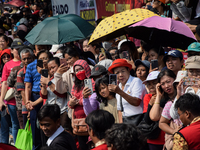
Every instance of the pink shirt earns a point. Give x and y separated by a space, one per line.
6 72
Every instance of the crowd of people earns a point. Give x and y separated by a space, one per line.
116 95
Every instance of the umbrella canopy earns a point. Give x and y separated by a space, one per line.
60 29
114 26
16 3
163 31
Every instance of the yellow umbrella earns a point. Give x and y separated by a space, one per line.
113 26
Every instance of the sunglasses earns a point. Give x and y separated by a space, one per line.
7 56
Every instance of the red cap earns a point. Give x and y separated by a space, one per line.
119 63
163 1
7 51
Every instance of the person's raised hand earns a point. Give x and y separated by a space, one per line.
73 101
44 80
113 88
150 69
159 90
86 92
101 57
62 68
2 104
152 100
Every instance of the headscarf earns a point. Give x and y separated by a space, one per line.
85 65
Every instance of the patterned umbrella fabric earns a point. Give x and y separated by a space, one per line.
114 26
163 31
60 29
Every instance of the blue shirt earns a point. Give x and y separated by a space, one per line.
32 76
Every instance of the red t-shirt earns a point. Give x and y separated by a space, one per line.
6 72
161 139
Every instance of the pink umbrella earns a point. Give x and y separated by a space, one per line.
16 3
163 31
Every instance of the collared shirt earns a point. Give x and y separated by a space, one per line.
191 90
58 132
134 88
32 76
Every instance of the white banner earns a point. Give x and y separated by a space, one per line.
63 7
87 10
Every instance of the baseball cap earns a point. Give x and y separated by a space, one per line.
98 70
145 63
152 76
173 53
194 47
180 75
17 44
192 62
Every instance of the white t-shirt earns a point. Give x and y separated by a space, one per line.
134 88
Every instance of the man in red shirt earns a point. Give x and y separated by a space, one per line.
188 106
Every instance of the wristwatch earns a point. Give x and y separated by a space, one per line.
49 83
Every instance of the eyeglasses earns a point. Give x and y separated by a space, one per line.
192 72
7 56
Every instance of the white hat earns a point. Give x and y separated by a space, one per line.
59 55
152 76
55 47
180 75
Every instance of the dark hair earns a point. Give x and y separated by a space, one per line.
105 81
45 51
147 69
98 21
166 72
51 148
111 48
100 121
5 37
70 50
189 102
133 50
56 59
159 50
78 84
86 56
50 110
124 137
169 73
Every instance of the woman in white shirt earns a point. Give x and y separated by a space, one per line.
129 92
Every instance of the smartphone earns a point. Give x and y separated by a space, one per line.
40 63
113 79
3 112
190 81
69 93
102 51
63 61
44 73
124 54
88 83
154 63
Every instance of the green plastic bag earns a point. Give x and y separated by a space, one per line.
24 139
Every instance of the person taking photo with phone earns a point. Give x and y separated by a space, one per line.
82 71
49 92
193 72
129 92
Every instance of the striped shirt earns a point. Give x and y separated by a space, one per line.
32 76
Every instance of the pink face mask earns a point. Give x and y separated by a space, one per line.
81 75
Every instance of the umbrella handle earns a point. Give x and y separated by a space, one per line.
151 35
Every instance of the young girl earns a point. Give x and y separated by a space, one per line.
107 99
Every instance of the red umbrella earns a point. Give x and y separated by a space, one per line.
16 3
